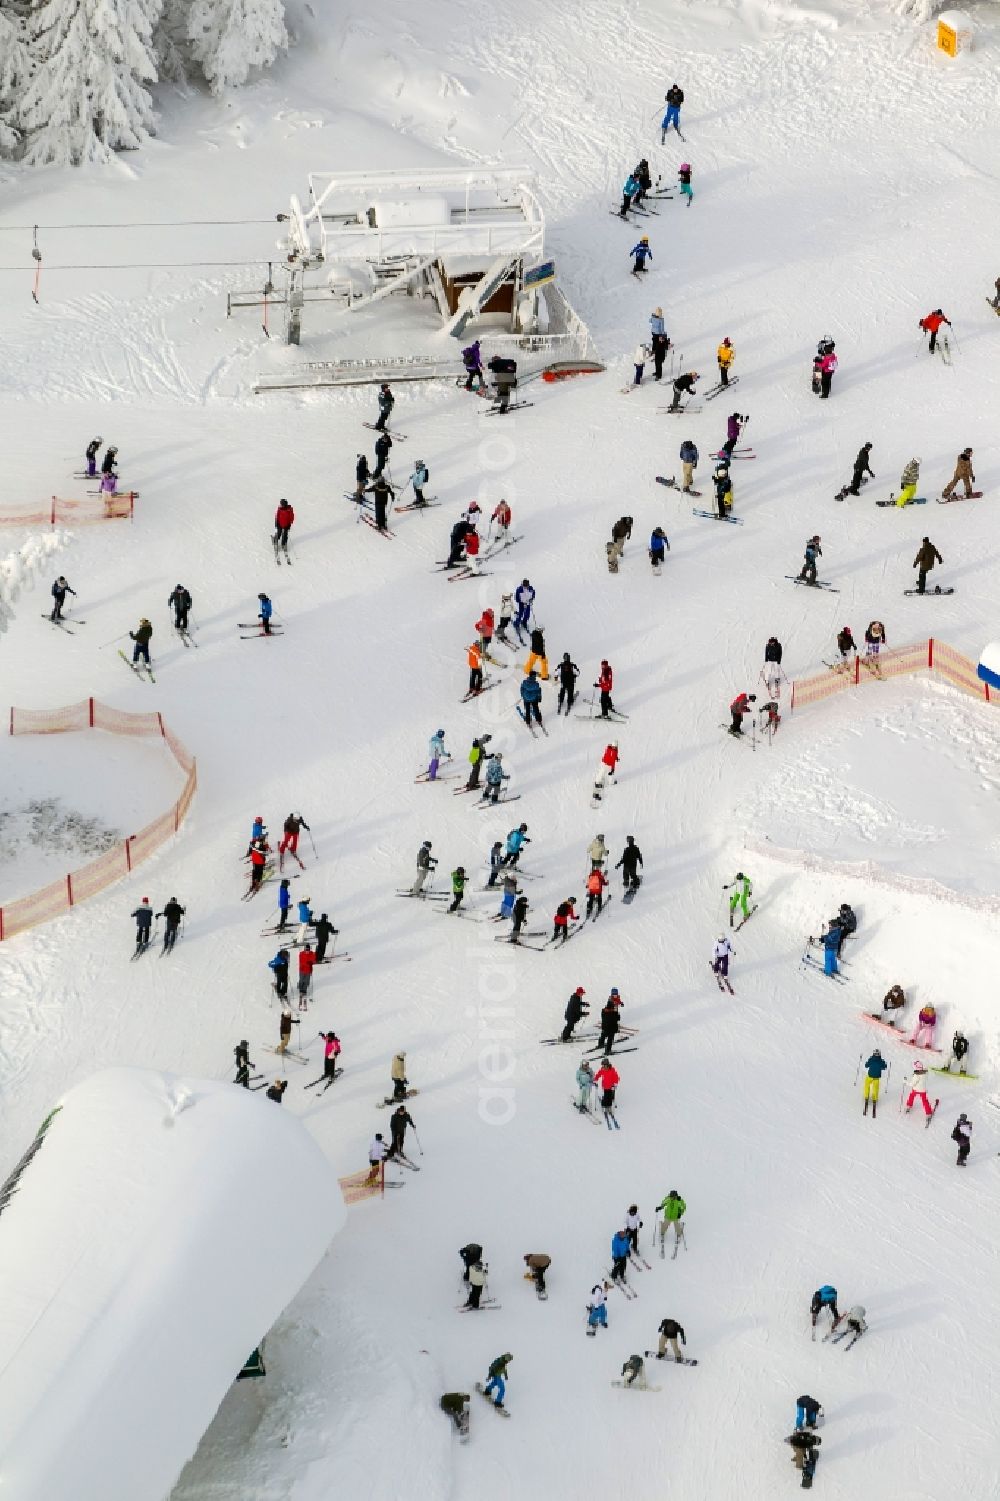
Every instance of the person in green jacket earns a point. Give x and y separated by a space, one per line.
457 887
742 890
477 756
672 1208
498 1378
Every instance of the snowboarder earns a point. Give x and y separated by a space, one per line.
498 1378
426 862
576 1009
658 548
962 1136
604 684
436 754
397 1073
585 1086
724 356
722 952
495 778
673 1209
172 913
456 1405
608 766
610 1019
959 1049
672 118
307 963
862 469
567 672
538 1264
564 915
292 827
804 1445
180 602
813 551
634 1372
418 479
740 706
143 915
284 518
742 890
932 325
735 423
923 1032
620 534
264 613
641 253
607 1080
91 456
60 589
908 481
684 180
524 598
824 1297
276 1093
597 1308
537 653
670 1332
141 637
963 475
619 1255
893 1000
472 359
689 459
875 1067
279 969
927 556
683 386
457 888
917 1086
386 402
807 1411
630 863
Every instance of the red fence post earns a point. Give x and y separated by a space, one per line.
857 669
791 706
12 719
69 889
1 925
131 505
930 652
52 514
128 852
159 717
91 713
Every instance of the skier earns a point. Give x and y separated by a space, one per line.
516 840
831 941
742 889
597 1308
689 459
631 189
496 863
813 551
306 921
520 918
923 1032
963 475
620 534
502 515
642 353
634 1372
426 862
962 1136
862 468
504 372
331 1052
524 598
723 482
585 1086
908 483
604 684
824 1297
472 359
576 1009
537 653
684 180
607 1080
932 325
279 968
398 1122
674 98
673 1209
506 615
804 1445
642 176
827 367
564 915
456 544
670 1332
658 548
807 1411
610 1021
284 518
91 456
276 1093
180 602
994 301
927 556
307 962
259 851
568 672
854 1318
538 1264
474 656
596 883
143 915
264 613
141 636
660 340
959 1049
110 460
875 1067
609 764
284 902
683 386
724 355
846 644
418 479
172 913
633 1224
243 1064
641 253
386 402
383 493
470 1254
874 640
291 829
630 862
362 475
722 951
498 1378
619 1255
324 932
735 424
495 778
437 754
740 706
477 756
917 1085
597 851
60 589
457 888
383 444
285 1021
472 544
376 1156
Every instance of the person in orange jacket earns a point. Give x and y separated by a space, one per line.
307 963
607 1080
565 914
931 325
475 668
596 882
284 516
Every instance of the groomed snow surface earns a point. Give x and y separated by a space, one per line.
845 183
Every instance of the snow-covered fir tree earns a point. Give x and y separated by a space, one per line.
229 37
86 97
170 40
13 75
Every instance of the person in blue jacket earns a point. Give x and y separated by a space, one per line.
689 459
516 840
279 968
831 947
619 1255
264 613
824 1297
531 698
306 921
875 1067
418 479
641 254
524 598
437 754
495 778
284 902
631 188
658 546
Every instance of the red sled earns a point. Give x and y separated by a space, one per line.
877 1022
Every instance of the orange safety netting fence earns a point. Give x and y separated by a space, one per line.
58 512
925 656
79 885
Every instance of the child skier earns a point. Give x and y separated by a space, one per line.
684 175
641 253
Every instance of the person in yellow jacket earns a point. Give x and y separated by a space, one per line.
725 354
908 483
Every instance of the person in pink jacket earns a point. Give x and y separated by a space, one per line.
923 1032
827 366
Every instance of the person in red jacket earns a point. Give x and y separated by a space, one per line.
565 914
607 1081
501 518
740 706
610 758
596 882
931 325
259 851
307 963
604 684
472 550
484 628
284 516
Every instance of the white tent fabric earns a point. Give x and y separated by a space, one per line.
138 1273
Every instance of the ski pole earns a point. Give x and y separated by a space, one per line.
417 1140
858 1069
112 642
312 842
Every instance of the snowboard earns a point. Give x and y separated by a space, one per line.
670 1359
951 1074
946 500
672 484
390 1101
632 1387
918 500
936 590
485 1395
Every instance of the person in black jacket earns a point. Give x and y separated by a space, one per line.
172 912
683 386
568 673
630 862
645 181
382 447
670 1332
277 1091
60 589
862 468
180 602
386 402
470 1254
456 543
576 1009
773 650
362 474
324 932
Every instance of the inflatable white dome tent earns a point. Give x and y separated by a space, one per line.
149 1237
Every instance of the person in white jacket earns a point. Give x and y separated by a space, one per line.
598 852
917 1085
597 1312
377 1152
854 1322
722 950
640 357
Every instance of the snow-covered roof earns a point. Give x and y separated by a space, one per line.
156 1233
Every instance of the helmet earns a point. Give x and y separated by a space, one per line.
440 732
579 990
427 844
261 596
420 463
522 828
918 1067
685 167
615 990
740 876
644 240
876 1053
728 343
498 755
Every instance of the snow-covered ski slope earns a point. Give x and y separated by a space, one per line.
845 183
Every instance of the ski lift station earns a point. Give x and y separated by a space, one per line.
389 270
